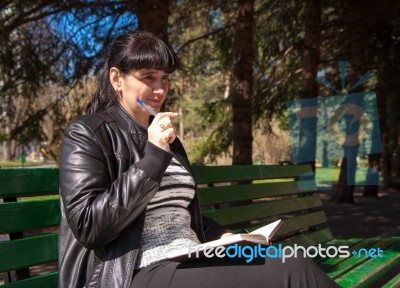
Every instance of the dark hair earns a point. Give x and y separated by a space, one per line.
133 50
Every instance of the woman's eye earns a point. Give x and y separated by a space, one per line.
164 79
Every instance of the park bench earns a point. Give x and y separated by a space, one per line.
238 197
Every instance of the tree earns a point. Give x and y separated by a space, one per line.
26 64
383 33
393 107
153 15
201 89
216 39
277 64
310 60
344 192
243 84
42 45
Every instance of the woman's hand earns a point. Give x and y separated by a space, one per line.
162 131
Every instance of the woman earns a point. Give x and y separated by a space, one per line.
127 193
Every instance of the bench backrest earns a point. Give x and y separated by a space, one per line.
250 196
237 197
25 245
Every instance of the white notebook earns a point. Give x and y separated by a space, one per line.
261 235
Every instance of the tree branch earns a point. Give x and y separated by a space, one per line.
202 37
29 16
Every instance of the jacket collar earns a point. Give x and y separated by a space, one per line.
125 122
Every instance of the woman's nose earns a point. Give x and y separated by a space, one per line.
159 87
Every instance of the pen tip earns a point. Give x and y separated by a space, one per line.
140 101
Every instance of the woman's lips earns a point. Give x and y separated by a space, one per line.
154 100
154 103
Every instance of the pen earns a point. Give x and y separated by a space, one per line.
147 108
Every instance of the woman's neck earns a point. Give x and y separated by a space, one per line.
140 117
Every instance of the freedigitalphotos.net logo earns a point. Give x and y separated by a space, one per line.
345 125
251 252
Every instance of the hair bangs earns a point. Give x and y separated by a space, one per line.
152 54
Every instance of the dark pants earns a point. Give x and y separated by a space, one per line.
226 272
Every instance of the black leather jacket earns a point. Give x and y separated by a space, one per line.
108 174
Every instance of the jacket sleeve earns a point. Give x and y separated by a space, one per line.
96 208
212 230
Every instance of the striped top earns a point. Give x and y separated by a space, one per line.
167 224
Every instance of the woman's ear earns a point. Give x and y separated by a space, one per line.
116 79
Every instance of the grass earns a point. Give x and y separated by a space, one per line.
327 176
331 175
35 198
12 164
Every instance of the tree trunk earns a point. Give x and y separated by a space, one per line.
394 115
6 151
396 174
153 15
380 161
243 84
181 126
344 191
7 145
310 61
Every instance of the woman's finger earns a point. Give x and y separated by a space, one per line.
165 124
169 134
161 115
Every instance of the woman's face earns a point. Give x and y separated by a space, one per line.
149 85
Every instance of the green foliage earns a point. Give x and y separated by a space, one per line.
49 52
30 129
204 43
277 65
218 138
277 68
47 44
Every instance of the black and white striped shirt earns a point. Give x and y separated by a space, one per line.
167 224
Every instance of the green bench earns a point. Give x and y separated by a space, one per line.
238 197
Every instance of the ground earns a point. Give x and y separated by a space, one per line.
369 217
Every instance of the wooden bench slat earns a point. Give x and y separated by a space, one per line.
350 242
354 244
17 182
312 239
19 216
336 271
230 193
393 283
301 222
31 251
43 281
239 214
366 274
216 174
